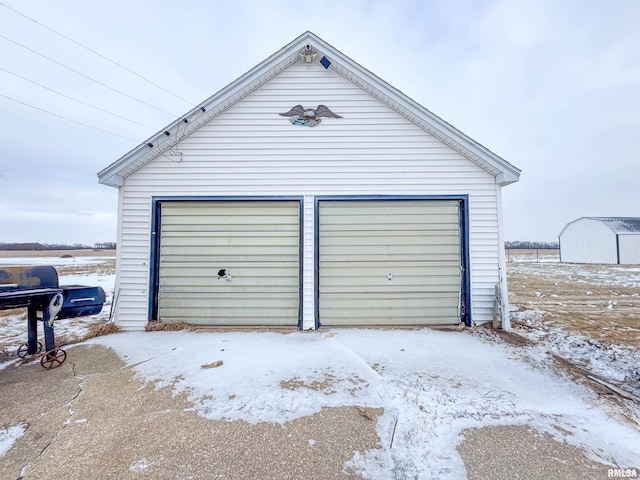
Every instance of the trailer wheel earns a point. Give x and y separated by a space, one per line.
53 358
23 351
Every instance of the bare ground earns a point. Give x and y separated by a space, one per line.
601 301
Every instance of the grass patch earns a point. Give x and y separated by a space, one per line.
168 327
100 329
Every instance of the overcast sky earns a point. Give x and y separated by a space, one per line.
553 87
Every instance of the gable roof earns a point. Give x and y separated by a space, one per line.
166 138
619 225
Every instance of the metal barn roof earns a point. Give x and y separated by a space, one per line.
621 224
618 225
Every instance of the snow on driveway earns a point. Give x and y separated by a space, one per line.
431 384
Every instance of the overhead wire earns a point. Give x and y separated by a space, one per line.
88 77
99 54
66 118
75 99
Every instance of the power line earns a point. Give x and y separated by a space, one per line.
65 118
88 77
75 99
99 54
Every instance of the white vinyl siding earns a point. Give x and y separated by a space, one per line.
257 246
389 262
250 150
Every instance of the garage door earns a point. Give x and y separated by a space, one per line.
229 263
389 262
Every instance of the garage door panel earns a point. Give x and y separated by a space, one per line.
386 265
256 242
390 249
226 259
232 317
404 209
361 242
196 279
383 238
398 284
252 302
230 238
238 249
392 319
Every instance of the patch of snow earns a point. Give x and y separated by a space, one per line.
9 435
619 363
139 465
431 385
612 275
54 261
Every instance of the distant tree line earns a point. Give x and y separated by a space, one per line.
532 245
56 246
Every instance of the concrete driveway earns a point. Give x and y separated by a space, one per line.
99 416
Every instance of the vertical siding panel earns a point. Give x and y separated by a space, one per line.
308 307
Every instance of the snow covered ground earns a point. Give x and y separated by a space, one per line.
431 385
589 314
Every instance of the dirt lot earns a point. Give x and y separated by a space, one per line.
601 301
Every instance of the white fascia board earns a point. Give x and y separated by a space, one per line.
506 178
116 181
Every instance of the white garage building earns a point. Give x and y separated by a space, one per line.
308 193
613 240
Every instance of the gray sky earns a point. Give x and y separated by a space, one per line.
553 87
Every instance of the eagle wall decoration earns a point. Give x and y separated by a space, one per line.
308 117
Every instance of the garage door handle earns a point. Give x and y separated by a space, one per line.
389 276
87 299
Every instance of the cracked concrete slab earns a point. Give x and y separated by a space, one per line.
90 418
532 455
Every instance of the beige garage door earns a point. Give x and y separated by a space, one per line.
389 262
257 246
